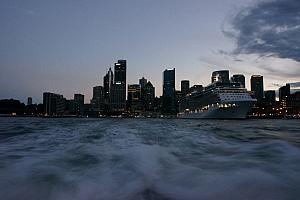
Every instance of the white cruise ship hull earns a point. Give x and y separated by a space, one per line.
238 112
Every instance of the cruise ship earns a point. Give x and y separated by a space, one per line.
222 99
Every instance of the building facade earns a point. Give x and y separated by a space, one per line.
169 95
220 76
79 104
239 78
185 86
149 96
118 89
97 102
54 104
257 86
284 92
29 101
134 98
270 96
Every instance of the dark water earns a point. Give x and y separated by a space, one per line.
113 159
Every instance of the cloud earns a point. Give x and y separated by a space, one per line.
268 28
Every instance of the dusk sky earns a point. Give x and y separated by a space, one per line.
66 46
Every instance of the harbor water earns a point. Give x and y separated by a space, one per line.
148 159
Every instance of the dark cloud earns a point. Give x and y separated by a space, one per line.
269 28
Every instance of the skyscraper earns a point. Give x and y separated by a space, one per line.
257 86
284 92
185 86
270 96
134 97
79 104
149 96
29 101
54 104
118 90
143 82
239 78
97 102
169 96
108 80
220 76
120 72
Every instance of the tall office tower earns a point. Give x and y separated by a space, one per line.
79 104
257 86
284 92
239 78
118 91
149 96
29 101
293 103
120 72
54 104
169 97
220 76
178 97
134 97
98 92
117 102
185 86
108 80
97 102
142 82
270 96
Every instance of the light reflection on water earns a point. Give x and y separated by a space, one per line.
149 159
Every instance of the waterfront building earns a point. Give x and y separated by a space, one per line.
221 76
118 89
98 92
134 98
54 104
270 96
284 92
97 102
120 72
257 86
142 82
29 101
149 96
117 100
79 104
239 78
185 86
178 96
107 82
70 107
293 104
169 96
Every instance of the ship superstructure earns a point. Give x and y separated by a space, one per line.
221 99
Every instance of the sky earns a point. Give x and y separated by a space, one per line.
66 46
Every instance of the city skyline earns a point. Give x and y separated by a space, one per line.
225 97
66 48
229 76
